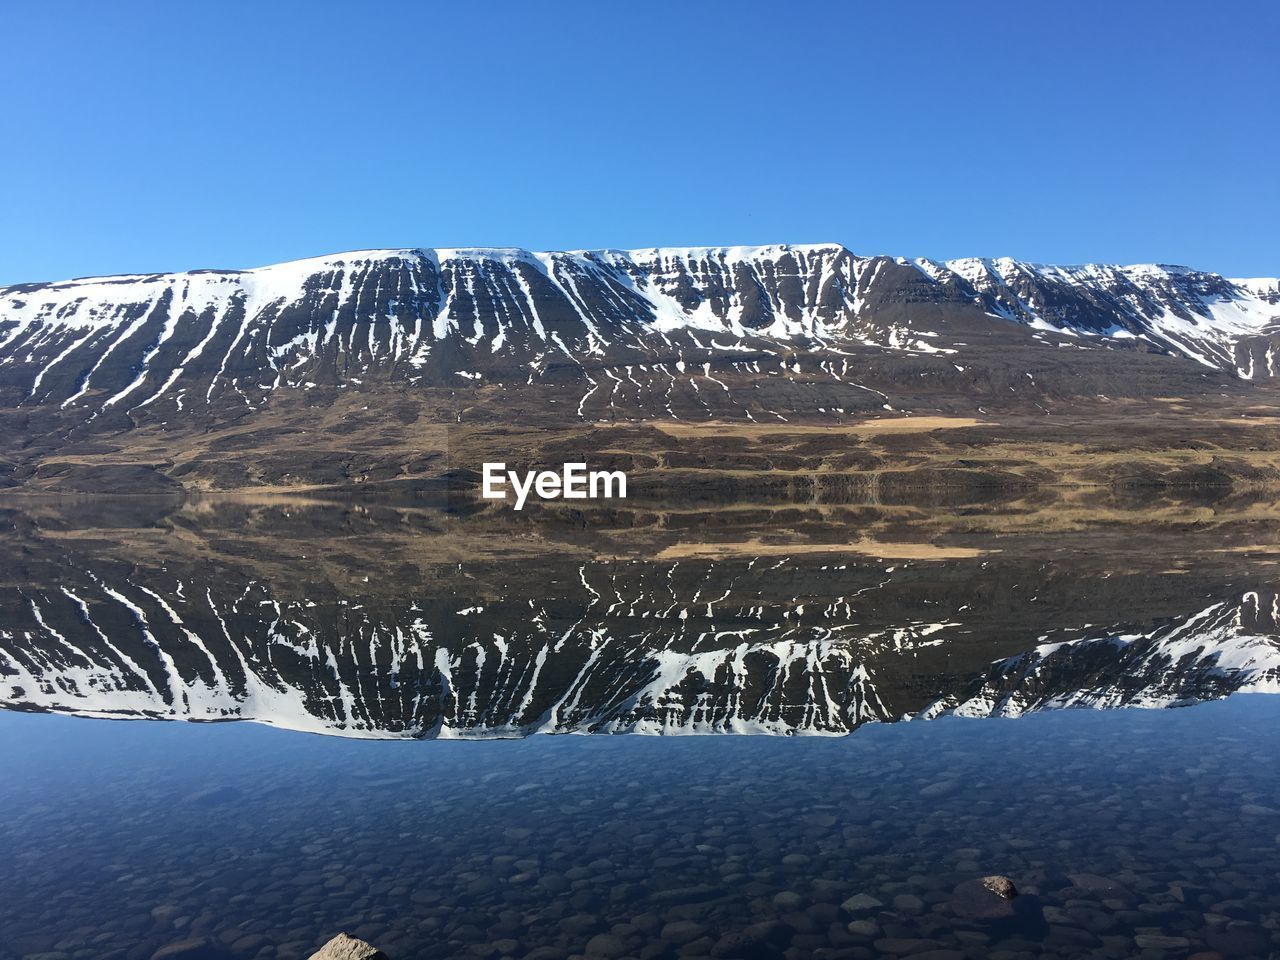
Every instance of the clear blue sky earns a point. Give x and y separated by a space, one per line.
166 136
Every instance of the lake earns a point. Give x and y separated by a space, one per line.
781 748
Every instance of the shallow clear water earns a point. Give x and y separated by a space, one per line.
1117 827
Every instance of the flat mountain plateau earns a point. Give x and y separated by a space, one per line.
727 376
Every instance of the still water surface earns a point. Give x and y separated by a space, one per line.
860 763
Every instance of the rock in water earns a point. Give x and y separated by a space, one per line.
343 947
1002 887
1093 884
990 898
861 903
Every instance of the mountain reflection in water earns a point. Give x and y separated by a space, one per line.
390 627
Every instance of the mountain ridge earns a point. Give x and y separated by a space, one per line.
534 305
471 251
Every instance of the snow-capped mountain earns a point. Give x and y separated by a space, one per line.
660 331
1229 324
